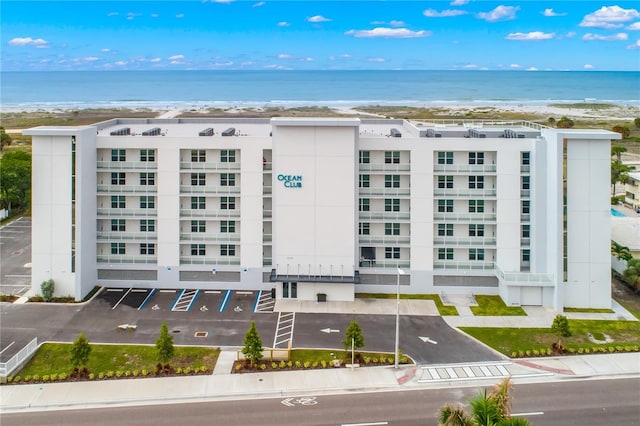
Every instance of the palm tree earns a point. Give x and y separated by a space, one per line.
454 415
617 150
501 394
632 274
485 410
620 251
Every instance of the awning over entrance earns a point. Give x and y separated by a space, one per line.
274 277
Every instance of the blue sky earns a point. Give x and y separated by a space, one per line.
263 35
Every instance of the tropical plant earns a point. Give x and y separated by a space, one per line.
354 336
47 288
623 130
5 139
560 326
252 349
619 173
617 150
632 274
15 175
454 415
564 123
620 251
164 345
636 122
80 351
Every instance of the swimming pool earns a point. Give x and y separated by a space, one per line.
616 213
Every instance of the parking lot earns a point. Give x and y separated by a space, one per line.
15 257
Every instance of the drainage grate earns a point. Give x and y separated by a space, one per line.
201 334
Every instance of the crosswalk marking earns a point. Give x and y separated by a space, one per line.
265 302
284 329
185 300
472 371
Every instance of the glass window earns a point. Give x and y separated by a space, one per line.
198 250
228 156
118 202
445 182
392 252
365 181
364 228
147 225
198 226
198 156
147 179
391 229
118 225
365 157
476 206
476 182
392 181
445 206
526 182
392 205
476 158
118 178
227 179
198 203
392 157
365 204
147 202
476 254
476 230
445 157
526 231
228 226
445 230
445 254
227 203
198 179
525 157
118 155
227 250
118 248
147 248
526 207
526 255
148 155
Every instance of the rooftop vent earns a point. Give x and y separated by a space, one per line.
152 132
395 133
229 132
206 132
121 132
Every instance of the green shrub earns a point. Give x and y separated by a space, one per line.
62 376
263 366
619 349
611 349
110 374
323 363
549 352
580 351
135 373
54 377
119 374
17 379
238 367
47 288
521 354
145 373
45 378
27 378
367 359
9 379
315 364
179 370
101 375
375 360
92 376
571 351
560 326
536 353
36 377
203 368
290 364
298 364
527 352
274 365
187 370
307 364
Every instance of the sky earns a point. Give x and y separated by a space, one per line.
319 35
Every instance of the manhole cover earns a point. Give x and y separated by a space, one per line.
201 334
175 331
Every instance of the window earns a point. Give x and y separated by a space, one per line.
525 158
476 158
365 157
198 179
118 225
147 225
392 252
118 155
445 157
198 226
445 254
147 202
364 228
445 206
476 206
227 250
392 157
445 230
526 255
228 156
198 250
118 178
228 226
147 248
476 254
227 179
391 205
476 182
526 182
526 207
365 204
198 156
148 155
118 202
526 231
227 203
365 181
476 230
445 181
147 179
391 229
117 248
198 203
392 181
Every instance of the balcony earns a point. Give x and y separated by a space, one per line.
208 237
204 189
385 192
465 241
189 166
525 168
525 242
471 217
267 214
466 192
204 260
120 189
386 216
267 238
385 263
267 261
465 168
267 166
127 165
384 239
463 266
126 236
222 214
127 212
525 193
114 259
385 168
267 189
525 217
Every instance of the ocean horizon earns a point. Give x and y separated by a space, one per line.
270 88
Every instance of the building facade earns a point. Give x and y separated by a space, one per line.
325 208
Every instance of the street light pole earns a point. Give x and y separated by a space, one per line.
400 272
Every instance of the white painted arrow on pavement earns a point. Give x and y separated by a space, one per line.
287 402
329 330
426 339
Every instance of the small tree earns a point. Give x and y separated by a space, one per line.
561 326
565 123
164 345
47 288
80 351
5 139
353 334
620 251
252 349
623 130
632 274
636 122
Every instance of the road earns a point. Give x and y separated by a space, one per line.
584 403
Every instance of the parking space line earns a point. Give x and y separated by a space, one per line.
244 293
184 302
255 303
173 305
116 289
264 302
121 299
225 301
212 292
285 320
149 296
139 290
10 344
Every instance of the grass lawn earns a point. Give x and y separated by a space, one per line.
494 306
590 310
54 358
442 309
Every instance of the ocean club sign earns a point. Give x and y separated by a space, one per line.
290 181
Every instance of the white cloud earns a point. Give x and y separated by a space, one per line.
470 66
308 59
533 35
284 56
614 37
180 15
28 41
120 63
634 27
105 50
112 14
388 33
131 16
459 2
91 59
588 67
635 45
514 66
500 13
154 15
432 13
283 24
260 3
609 17
375 59
532 69
393 23
155 60
176 57
223 64
318 18
346 55
551 12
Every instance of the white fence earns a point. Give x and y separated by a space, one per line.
6 368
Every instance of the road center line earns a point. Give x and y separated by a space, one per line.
365 424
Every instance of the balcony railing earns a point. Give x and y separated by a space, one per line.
473 217
384 239
267 214
465 168
214 238
267 166
465 241
386 167
267 189
385 192
462 266
126 259
525 193
204 189
388 216
188 165
384 263
525 168
465 192
523 278
525 242
126 236
127 212
119 189
127 165
267 261
204 260
267 238
525 217
189 213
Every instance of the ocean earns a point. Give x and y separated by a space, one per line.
136 89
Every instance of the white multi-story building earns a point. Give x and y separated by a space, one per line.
314 206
